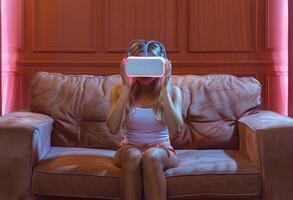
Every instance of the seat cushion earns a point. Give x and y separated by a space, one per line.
90 173
77 172
213 174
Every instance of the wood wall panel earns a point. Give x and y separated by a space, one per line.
222 25
131 19
1 59
14 30
277 91
274 26
290 61
59 25
201 37
12 44
12 91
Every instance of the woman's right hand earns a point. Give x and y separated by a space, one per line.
126 81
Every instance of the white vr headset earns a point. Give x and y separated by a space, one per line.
140 66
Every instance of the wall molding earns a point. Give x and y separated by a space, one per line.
22 22
268 45
268 77
19 75
121 50
227 50
94 31
18 46
266 38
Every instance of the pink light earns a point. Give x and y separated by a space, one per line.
283 39
10 31
278 48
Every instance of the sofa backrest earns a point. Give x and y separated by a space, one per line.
79 105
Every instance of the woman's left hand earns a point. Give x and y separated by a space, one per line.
166 79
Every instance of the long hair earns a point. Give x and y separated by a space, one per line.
153 49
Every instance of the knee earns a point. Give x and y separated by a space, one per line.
132 157
152 161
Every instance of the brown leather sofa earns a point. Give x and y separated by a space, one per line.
228 149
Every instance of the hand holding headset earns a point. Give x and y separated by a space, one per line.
145 65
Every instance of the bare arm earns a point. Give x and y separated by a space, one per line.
118 99
172 102
172 108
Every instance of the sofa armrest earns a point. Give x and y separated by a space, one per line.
25 138
266 138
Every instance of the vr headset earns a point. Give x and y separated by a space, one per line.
140 66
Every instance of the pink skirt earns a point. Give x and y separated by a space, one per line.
143 147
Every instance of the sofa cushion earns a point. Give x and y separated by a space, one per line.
79 104
213 174
212 105
90 173
77 172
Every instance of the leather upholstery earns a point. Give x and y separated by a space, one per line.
267 141
77 172
82 172
24 141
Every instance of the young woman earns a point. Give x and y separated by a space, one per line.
149 111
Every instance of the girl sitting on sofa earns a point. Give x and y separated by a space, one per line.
149 111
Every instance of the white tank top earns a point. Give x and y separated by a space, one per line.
142 127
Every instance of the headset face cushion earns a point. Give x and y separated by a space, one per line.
139 66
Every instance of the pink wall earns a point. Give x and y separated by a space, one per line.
277 46
290 68
0 59
240 37
10 41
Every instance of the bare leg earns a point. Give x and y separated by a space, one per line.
129 159
155 161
